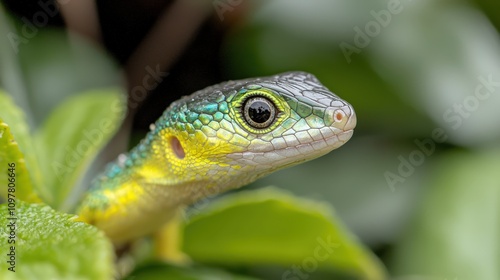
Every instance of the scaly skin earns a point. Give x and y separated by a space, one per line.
204 142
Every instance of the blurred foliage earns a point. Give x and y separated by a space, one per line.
458 225
426 203
160 271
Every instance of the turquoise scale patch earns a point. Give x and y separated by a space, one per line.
210 109
174 117
162 126
114 170
218 116
197 124
182 117
133 155
223 107
191 116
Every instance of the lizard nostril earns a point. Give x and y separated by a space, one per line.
339 116
177 147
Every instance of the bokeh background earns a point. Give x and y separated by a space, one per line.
419 182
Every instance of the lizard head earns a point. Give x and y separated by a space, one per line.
230 134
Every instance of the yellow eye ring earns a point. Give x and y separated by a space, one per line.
259 111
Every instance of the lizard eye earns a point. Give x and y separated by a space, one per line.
259 112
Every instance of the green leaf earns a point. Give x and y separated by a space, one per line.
457 232
17 147
71 137
272 227
162 271
50 245
11 157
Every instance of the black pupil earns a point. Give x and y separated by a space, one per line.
259 111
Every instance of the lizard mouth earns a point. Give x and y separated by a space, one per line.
292 155
326 144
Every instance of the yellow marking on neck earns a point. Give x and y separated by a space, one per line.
118 202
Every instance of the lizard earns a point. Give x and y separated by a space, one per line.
219 138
